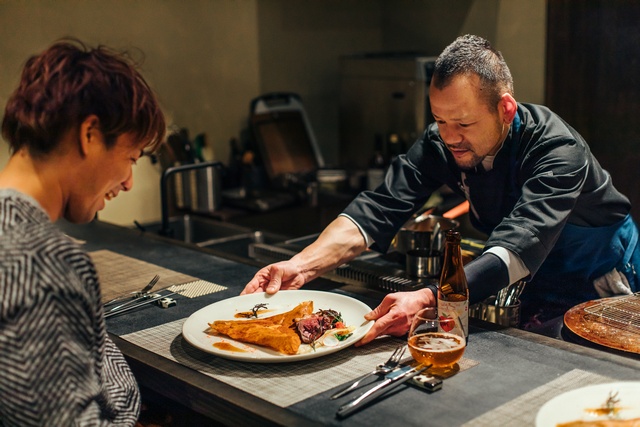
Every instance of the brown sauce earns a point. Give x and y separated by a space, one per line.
223 345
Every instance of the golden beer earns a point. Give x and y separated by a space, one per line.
439 349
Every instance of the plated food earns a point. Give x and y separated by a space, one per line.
287 331
243 328
611 404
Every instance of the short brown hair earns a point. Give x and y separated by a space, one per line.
471 54
68 82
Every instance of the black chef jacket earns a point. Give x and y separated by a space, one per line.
543 178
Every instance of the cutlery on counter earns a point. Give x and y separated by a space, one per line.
137 294
139 302
392 380
383 368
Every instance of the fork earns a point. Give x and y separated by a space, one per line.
383 368
137 294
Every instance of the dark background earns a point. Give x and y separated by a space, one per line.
593 81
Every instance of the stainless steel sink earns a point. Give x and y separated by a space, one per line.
209 233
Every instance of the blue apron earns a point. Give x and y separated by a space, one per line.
580 255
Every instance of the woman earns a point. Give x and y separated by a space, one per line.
77 123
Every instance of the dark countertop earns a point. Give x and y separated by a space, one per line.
511 362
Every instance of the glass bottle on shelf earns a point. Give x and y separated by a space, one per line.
453 291
377 166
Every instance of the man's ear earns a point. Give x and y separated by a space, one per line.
89 132
509 107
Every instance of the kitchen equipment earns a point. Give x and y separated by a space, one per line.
510 294
621 312
383 368
418 235
284 138
435 236
206 190
423 263
382 94
590 321
203 189
489 311
458 210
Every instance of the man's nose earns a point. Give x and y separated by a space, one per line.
128 183
450 136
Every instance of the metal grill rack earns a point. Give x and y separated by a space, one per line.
369 271
620 312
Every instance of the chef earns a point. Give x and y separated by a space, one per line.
551 212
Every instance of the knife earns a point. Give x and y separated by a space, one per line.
140 302
392 380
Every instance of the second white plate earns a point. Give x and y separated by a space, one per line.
582 404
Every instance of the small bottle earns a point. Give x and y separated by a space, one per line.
377 165
453 291
395 146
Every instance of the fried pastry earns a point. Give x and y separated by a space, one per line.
276 332
603 423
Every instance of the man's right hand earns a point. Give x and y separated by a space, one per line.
340 242
272 278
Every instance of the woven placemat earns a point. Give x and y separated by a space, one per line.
196 288
120 275
293 381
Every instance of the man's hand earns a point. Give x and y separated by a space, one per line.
272 278
340 242
396 311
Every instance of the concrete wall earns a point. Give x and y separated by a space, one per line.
208 58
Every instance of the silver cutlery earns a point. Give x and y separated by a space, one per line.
150 285
142 292
510 294
383 368
392 380
151 298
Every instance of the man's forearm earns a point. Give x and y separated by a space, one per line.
339 243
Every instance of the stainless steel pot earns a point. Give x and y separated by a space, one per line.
417 234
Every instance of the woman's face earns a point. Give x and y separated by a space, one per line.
107 171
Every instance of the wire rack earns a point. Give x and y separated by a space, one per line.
621 312
367 272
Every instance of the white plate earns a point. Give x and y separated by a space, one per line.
579 404
195 327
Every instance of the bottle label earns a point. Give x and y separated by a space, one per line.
458 310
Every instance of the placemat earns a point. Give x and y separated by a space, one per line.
522 410
282 384
196 288
120 274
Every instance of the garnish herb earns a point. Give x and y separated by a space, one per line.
611 403
343 337
254 311
257 308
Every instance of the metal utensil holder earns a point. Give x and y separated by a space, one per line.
488 311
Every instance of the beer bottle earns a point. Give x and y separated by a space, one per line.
453 291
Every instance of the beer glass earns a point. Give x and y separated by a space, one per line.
436 342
